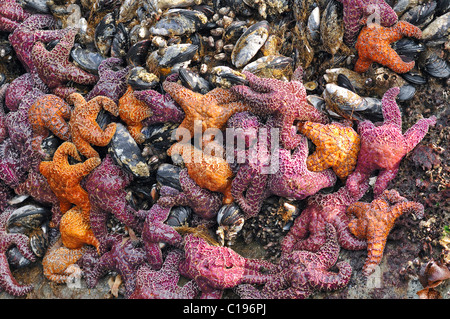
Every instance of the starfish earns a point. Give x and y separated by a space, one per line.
7 281
373 222
210 172
155 231
356 13
112 81
373 45
208 111
76 230
11 15
3 128
302 272
17 89
55 69
215 268
11 170
163 284
133 111
337 146
64 179
83 126
27 34
49 112
203 202
121 256
59 263
383 147
285 101
106 188
293 179
309 229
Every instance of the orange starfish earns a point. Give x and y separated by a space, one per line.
373 45
64 179
49 112
76 231
210 172
133 111
211 110
337 146
59 263
375 220
84 128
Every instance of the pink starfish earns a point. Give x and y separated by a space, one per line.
383 147
55 69
11 15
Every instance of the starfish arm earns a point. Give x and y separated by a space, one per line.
66 148
180 94
298 231
261 85
8 25
362 64
357 209
390 109
407 207
345 237
257 98
105 103
416 132
58 126
383 179
351 17
393 61
403 28
221 96
375 246
327 280
8 282
316 162
82 169
107 64
21 242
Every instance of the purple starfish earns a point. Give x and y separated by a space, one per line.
5 195
55 69
106 188
17 89
357 11
383 147
27 34
11 15
121 256
3 128
202 201
215 268
163 284
112 81
303 272
163 107
7 281
285 101
11 170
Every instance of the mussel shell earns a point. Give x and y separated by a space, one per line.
229 215
271 66
169 175
159 135
16 259
408 47
104 34
249 43
234 31
2 78
49 146
437 31
166 4
137 54
38 6
126 153
240 7
443 6
225 77
179 22
437 67
406 93
313 26
171 58
86 59
179 216
414 78
39 241
344 81
193 81
420 13
27 218
121 42
141 79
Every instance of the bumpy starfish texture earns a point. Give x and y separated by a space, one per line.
112 81
373 45
59 263
49 113
163 284
107 195
7 281
3 128
133 112
55 69
11 15
155 231
293 178
373 222
309 229
27 34
11 170
121 256
17 89
203 202
215 268
285 101
383 147
208 111
302 272
356 13
83 126
210 172
337 146
64 179
76 230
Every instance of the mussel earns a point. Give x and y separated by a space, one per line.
177 22
169 175
230 220
140 79
194 81
179 216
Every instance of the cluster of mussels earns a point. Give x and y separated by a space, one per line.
94 175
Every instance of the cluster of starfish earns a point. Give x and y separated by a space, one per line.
271 118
